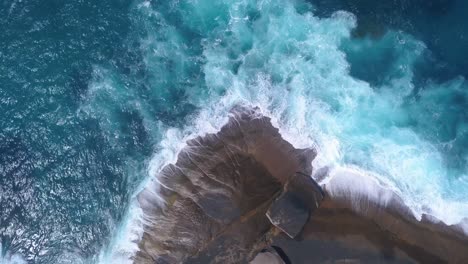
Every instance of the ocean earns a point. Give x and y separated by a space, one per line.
96 96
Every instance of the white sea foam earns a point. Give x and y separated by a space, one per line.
7 258
295 72
124 243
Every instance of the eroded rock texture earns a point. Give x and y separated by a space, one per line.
216 196
233 193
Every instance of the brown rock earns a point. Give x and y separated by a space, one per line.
211 205
217 193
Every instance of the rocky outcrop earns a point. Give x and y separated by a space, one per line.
216 196
236 192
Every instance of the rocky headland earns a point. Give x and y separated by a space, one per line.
243 189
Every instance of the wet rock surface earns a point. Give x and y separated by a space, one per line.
292 209
289 214
210 206
236 192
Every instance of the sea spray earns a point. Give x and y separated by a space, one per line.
294 66
80 143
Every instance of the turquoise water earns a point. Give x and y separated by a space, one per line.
96 95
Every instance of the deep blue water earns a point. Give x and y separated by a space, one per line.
89 89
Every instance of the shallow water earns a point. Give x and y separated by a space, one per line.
95 95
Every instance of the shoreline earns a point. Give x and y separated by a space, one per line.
426 239
195 187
